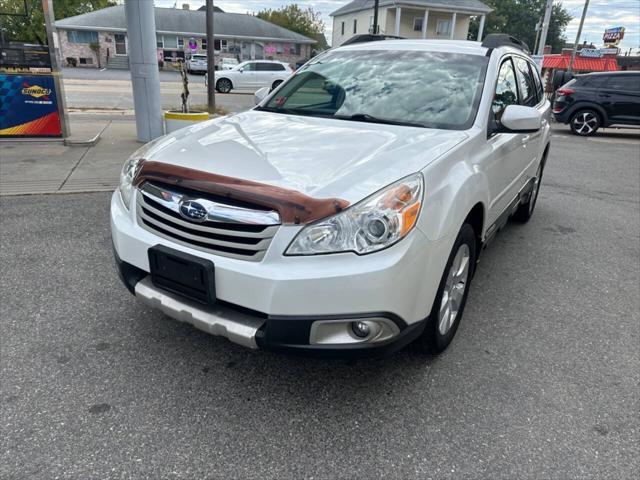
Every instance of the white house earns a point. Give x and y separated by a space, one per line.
441 19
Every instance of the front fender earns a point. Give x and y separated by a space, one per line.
452 189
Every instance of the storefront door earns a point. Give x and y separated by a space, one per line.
121 44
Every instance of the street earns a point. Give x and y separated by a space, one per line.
90 89
541 380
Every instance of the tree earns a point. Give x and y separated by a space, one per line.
31 28
518 18
95 48
306 22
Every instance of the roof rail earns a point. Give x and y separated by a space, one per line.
370 37
495 40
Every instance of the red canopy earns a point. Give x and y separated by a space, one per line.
584 64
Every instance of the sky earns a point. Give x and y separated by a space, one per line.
602 14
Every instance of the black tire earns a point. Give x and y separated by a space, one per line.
224 85
525 210
275 85
585 122
433 340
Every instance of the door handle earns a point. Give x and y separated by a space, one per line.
525 139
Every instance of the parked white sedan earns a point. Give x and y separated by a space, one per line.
253 74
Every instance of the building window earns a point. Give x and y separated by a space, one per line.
180 42
443 27
298 48
220 45
159 42
204 44
82 36
170 41
355 25
417 24
342 33
280 47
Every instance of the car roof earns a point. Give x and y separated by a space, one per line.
448 46
609 74
264 61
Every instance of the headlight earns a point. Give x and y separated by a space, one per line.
130 167
127 175
375 223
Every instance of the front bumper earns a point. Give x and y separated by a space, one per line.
287 334
288 294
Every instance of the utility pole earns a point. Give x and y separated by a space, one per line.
538 28
575 45
375 16
545 27
56 73
211 84
143 63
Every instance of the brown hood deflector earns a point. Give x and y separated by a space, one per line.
293 206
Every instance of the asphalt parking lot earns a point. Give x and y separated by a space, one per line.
542 380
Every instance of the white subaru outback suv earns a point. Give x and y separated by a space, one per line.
345 213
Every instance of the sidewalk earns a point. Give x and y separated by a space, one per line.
31 167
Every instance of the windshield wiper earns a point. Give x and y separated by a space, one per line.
292 111
365 117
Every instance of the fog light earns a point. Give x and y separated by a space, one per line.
360 329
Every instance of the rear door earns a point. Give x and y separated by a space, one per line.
264 74
620 97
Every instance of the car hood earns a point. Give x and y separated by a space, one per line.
320 157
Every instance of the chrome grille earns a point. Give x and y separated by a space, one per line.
236 231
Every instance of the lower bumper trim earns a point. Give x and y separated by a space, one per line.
238 327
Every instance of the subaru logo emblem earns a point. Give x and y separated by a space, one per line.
192 210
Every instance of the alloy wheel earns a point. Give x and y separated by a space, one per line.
454 289
224 86
585 123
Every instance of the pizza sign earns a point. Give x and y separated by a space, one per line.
612 36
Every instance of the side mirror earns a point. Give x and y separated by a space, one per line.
520 119
241 70
260 95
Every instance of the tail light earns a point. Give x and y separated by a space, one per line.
565 91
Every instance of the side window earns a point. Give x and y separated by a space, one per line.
525 82
624 82
538 81
249 67
506 90
277 67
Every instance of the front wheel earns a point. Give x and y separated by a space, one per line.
223 85
275 84
451 297
585 122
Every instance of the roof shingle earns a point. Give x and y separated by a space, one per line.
186 22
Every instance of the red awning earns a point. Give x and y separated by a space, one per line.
581 64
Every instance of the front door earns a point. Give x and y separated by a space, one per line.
620 96
121 44
503 165
246 77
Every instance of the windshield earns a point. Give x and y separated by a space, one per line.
426 89
199 57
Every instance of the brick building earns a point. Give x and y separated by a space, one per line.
239 36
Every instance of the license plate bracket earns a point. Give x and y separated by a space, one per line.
182 273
